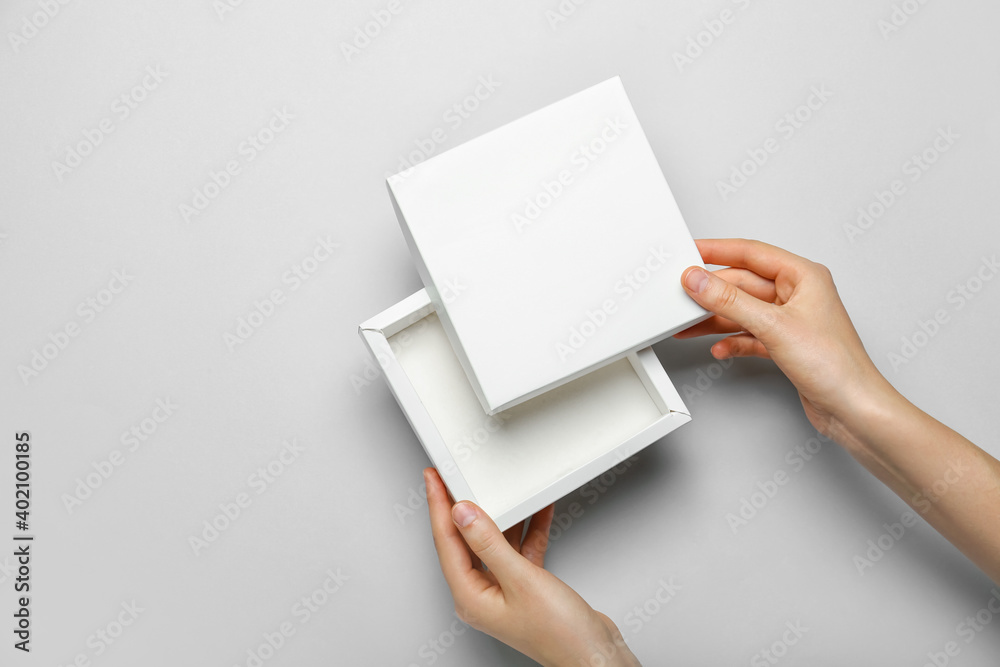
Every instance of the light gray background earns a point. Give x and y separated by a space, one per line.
302 374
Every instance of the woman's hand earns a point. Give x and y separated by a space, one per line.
515 600
784 307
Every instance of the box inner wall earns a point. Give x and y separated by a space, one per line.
509 457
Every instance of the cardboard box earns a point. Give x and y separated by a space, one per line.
550 247
516 463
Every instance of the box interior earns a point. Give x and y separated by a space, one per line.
509 457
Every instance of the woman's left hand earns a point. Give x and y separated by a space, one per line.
515 599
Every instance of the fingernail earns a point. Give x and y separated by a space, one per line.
696 279
463 514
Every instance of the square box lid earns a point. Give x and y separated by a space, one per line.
550 246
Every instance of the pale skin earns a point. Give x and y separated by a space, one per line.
771 304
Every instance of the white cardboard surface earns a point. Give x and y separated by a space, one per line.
516 463
550 246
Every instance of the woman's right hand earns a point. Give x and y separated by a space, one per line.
780 306
783 307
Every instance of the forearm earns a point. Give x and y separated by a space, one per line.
953 484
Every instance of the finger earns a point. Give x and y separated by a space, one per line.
536 541
751 283
487 542
715 294
746 280
711 326
763 259
457 563
742 345
513 535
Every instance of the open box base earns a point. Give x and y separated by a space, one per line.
516 462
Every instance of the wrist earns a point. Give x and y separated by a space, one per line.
869 409
613 652
607 649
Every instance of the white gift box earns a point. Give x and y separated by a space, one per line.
515 463
551 252
550 247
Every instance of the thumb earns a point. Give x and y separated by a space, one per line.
722 298
486 540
